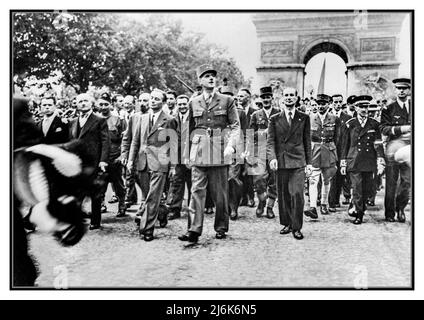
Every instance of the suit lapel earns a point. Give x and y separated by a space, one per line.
158 123
53 126
88 124
284 125
295 123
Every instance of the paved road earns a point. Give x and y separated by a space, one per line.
334 253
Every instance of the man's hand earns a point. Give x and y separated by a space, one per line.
343 171
130 165
273 164
405 129
102 166
228 151
124 161
308 170
171 172
380 166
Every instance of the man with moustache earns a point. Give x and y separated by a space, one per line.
263 178
92 131
141 177
289 152
324 135
243 102
54 129
215 129
339 181
114 169
182 174
149 145
362 155
396 125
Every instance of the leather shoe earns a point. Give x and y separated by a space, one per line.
94 226
121 214
148 237
270 213
183 237
324 209
260 208
401 216
174 215
220 235
297 235
357 221
311 213
233 215
286 230
193 237
390 219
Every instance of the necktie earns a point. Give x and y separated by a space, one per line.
289 118
45 126
405 107
152 121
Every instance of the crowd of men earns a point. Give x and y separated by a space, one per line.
220 149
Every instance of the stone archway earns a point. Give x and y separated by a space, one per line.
367 41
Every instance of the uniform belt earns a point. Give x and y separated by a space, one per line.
322 140
209 131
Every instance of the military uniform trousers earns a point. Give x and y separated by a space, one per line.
339 184
114 170
290 197
215 179
326 174
235 185
397 194
178 181
265 183
362 183
151 205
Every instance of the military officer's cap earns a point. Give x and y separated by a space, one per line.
351 99
201 70
323 99
363 100
226 90
265 91
373 107
402 83
105 96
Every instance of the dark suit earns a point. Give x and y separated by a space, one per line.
95 142
57 133
182 174
361 148
148 145
396 198
290 145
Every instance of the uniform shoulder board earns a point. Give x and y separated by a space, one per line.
350 120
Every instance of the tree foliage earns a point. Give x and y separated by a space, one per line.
113 50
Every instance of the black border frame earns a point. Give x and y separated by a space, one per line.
164 11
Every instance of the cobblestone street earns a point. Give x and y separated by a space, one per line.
334 253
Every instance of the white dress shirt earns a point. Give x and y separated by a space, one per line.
83 118
47 122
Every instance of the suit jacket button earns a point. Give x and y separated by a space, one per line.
359 149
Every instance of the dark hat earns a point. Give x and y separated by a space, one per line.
351 99
201 70
226 90
105 96
363 100
373 107
402 82
265 91
323 99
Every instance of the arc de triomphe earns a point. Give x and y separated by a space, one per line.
368 42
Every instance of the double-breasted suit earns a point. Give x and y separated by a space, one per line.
290 145
361 148
155 145
393 117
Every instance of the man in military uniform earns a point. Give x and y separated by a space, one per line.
339 182
324 134
264 178
215 120
396 125
362 154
